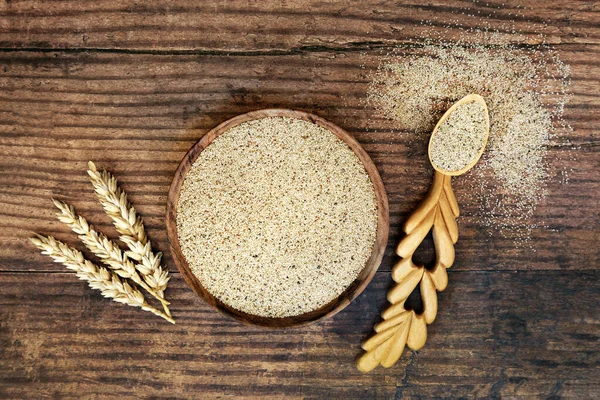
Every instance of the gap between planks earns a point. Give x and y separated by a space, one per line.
359 46
456 271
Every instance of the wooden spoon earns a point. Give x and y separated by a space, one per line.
438 212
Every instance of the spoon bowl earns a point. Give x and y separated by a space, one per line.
471 98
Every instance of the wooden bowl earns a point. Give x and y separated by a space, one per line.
335 305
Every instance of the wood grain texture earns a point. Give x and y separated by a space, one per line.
132 86
351 292
510 334
275 26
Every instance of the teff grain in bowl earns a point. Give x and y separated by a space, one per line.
277 217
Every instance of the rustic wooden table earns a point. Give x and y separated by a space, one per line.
132 85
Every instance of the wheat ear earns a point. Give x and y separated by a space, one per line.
108 251
109 284
131 227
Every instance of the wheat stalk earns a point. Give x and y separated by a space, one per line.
131 227
107 250
109 284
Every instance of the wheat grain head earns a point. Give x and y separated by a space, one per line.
107 250
109 284
130 226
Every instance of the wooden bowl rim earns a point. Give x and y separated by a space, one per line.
351 292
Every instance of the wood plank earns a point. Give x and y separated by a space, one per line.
512 334
274 26
138 114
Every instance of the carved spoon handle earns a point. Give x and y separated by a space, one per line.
401 327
